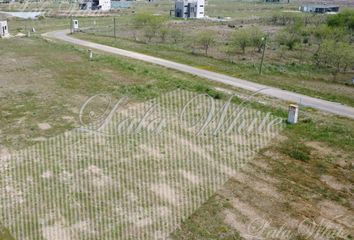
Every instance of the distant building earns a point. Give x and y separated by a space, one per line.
320 8
4 30
104 5
121 4
276 1
189 8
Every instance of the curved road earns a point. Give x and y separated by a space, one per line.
316 103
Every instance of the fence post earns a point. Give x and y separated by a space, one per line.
71 25
114 28
264 42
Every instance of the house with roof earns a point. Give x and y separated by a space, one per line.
319 8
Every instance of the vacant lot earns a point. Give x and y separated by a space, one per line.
299 188
307 173
61 183
48 81
290 65
282 69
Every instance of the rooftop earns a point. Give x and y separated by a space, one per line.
320 5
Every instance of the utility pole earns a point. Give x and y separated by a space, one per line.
114 28
71 25
264 42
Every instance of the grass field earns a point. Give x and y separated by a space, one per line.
239 9
297 77
310 165
175 184
305 175
294 74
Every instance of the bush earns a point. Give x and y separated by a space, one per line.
345 19
290 40
247 37
297 151
149 23
338 56
176 35
205 40
284 18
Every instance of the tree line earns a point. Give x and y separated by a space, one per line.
329 39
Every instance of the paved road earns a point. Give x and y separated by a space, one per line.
316 103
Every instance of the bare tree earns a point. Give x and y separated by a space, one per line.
338 56
205 40
177 35
163 33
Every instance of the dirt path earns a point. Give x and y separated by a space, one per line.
316 103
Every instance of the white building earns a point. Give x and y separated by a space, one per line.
4 29
319 8
189 8
104 5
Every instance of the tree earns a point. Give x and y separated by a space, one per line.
247 37
344 19
139 22
323 33
205 40
256 36
149 24
163 32
150 33
290 40
338 56
240 39
177 35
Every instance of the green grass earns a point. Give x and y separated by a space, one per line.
79 79
298 169
290 75
71 78
5 235
300 78
296 150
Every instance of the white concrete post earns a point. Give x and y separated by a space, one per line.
293 113
90 54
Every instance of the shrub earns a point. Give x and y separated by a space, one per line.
149 23
297 151
205 40
176 35
338 56
290 40
345 19
247 37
